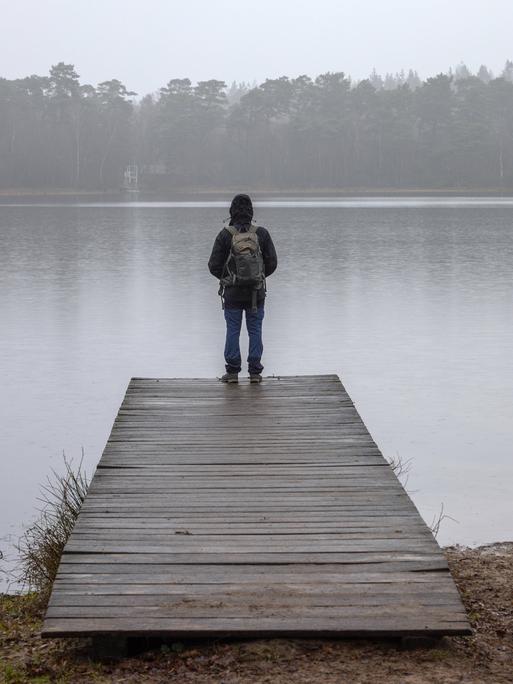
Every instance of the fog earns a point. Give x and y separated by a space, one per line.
376 139
452 132
146 44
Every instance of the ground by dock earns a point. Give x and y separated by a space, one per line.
249 510
484 577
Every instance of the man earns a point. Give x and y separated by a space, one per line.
255 244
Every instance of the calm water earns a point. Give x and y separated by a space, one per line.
410 302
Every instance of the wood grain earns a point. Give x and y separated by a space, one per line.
249 510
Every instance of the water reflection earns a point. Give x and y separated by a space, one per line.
410 304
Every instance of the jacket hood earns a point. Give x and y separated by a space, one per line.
241 209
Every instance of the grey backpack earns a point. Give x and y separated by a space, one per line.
245 264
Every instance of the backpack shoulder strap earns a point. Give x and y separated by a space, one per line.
233 231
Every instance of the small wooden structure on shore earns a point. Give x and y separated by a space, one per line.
248 510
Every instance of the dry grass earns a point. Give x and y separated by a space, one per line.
401 468
438 520
40 548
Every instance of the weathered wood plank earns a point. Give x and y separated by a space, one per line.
301 527
241 610
369 567
233 599
304 547
100 583
231 529
397 625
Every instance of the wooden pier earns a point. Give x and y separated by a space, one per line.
248 510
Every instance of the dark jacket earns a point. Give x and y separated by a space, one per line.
240 297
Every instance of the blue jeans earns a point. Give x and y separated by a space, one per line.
233 318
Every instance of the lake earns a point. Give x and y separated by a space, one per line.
409 301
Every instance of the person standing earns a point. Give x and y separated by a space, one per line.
243 256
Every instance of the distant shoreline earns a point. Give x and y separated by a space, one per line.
259 192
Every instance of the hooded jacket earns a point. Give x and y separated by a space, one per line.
241 214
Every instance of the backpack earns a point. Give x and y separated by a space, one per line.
245 264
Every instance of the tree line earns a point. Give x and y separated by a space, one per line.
453 130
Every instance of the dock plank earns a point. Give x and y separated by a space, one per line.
292 524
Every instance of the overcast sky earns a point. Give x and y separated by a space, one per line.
148 42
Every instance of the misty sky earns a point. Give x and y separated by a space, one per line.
146 43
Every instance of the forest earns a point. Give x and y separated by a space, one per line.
451 131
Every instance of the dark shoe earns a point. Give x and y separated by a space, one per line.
230 378
255 378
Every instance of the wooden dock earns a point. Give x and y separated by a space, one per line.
249 510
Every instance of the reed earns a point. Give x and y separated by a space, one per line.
40 547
